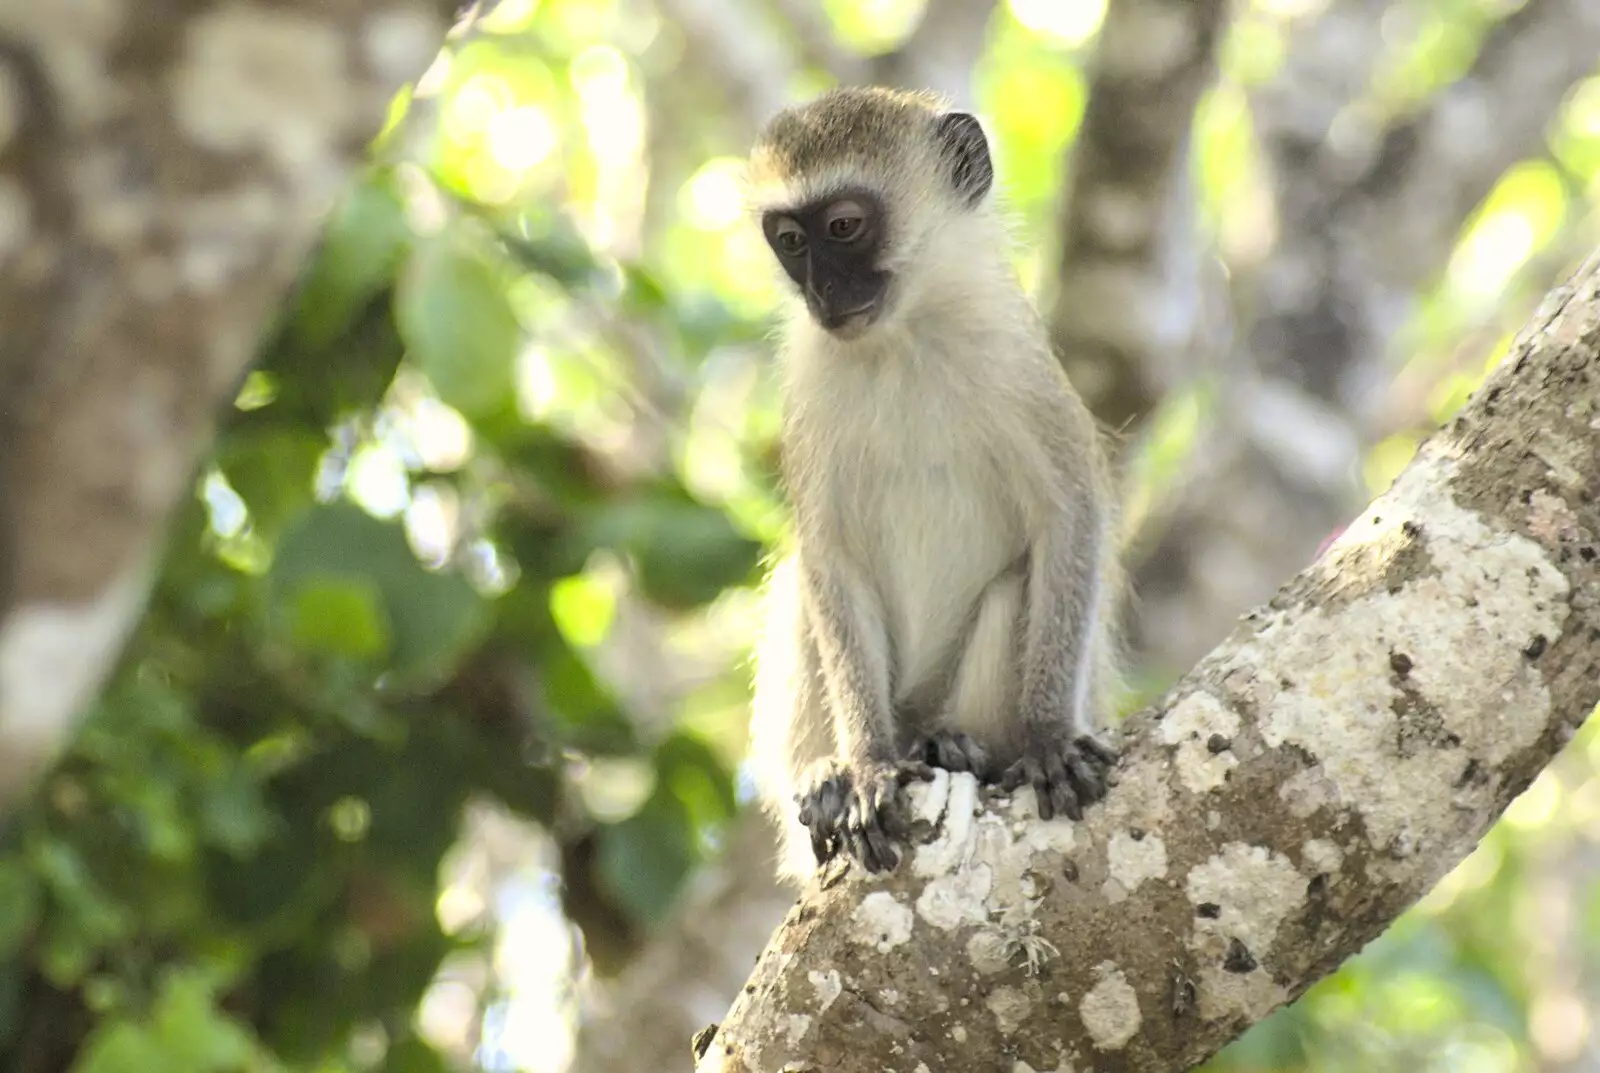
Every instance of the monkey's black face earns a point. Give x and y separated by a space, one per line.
830 248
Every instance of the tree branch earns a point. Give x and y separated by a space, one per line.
1306 783
1127 241
163 190
940 52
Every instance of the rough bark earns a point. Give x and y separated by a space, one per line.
1314 775
1128 295
1368 214
162 173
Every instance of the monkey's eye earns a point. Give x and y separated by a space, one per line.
846 220
790 238
844 228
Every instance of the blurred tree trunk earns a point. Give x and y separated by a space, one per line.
1367 216
162 177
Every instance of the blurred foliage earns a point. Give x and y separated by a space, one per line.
515 415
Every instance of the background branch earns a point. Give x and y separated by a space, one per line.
1366 220
1127 241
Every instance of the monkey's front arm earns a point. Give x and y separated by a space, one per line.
851 802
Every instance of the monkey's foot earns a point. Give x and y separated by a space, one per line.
1064 777
950 750
857 811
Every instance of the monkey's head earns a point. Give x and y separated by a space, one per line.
857 185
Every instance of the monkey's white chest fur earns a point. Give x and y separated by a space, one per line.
912 482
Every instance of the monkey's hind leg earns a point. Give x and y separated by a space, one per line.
983 690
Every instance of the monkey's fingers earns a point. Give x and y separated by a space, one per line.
1089 783
823 845
868 842
1014 776
954 751
1097 749
1063 798
911 771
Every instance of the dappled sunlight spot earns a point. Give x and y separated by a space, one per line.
614 787
377 481
226 511
536 382
446 1015
1070 23
469 111
1472 874
1385 461
439 434
1520 216
1583 804
614 123
433 522
713 198
1538 804
1490 255
1558 1024
1583 109
1479 1049
874 25
533 1028
1290 9
424 204
458 905
584 605
520 139
511 15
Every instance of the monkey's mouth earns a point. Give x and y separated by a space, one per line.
849 323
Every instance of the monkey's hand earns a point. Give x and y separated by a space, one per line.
856 809
950 750
1065 775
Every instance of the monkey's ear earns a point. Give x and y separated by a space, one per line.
967 150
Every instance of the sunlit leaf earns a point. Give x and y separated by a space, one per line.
19 906
459 328
340 616
366 239
643 860
432 617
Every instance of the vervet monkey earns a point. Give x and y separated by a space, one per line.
950 597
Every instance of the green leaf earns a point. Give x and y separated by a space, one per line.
591 719
19 906
433 618
362 248
687 552
411 1055
690 769
552 247
197 1035
121 1047
274 471
644 859
341 616
458 326
234 817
